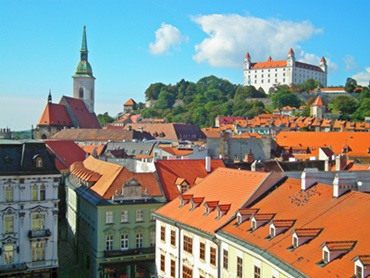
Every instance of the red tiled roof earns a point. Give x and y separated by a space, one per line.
55 114
66 153
78 108
318 102
113 176
232 188
319 216
130 102
170 170
340 245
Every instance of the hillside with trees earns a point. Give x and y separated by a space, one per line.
199 103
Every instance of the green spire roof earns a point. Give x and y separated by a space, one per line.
83 66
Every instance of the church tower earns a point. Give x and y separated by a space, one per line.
83 80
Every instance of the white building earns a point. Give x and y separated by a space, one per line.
28 210
273 73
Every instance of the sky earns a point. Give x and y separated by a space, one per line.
133 44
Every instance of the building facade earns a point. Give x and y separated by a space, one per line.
109 214
28 210
270 74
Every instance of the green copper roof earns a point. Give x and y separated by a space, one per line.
83 66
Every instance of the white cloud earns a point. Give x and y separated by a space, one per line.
232 36
166 36
363 77
350 64
313 59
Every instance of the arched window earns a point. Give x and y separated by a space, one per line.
38 162
81 93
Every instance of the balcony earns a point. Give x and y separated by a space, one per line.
39 233
13 267
129 252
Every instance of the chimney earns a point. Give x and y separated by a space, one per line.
208 163
308 177
340 162
343 182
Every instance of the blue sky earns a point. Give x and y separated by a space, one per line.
133 44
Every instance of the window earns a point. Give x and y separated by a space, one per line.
202 251
8 254
124 216
38 162
254 225
326 256
38 251
226 259
188 244
34 192
239 267
109 242
151 215
163 262
152 238
9 223
139 215
272 231
42 192
173 268
212 252
358 271
173 237
257 272
38 222
81 93
163 233
295 242
109 217
139 240
187 272
184 188
124 241
9 194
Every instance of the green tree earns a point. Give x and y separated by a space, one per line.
363 111
344 104
105 118
153 91
285 98
165 100
351 85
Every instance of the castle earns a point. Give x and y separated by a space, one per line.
270 74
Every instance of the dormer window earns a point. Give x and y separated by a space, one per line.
38 161
272 231
222 210
362 266
195 202
260 219
210 206
279 226
184 199
245 214
303 235
334 249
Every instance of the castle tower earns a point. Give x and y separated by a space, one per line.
83 80
291 58
247 67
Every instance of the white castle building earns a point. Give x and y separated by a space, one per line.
273 73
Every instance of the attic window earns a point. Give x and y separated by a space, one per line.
222 210
210 206
334 249
38 161
245 214
260 219
362 264
184 199
279 226
303 235
195 202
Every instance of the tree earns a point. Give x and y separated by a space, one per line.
351 85
363 111
285 98
345 105
153 91
165 100
105 118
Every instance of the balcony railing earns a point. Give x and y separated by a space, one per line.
40 233
129 252
13 267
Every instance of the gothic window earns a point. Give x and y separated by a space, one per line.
81 93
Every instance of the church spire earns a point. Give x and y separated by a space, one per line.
84 50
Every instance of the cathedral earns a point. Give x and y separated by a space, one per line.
270 74
72 112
